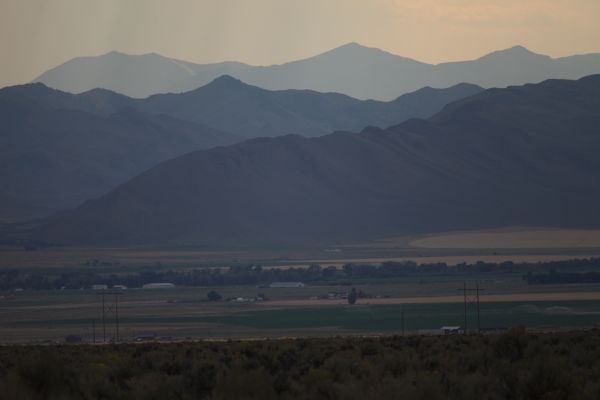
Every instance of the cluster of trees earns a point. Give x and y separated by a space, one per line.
257 275
555 277
514 365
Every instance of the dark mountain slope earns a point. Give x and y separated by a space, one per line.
13 209
233 106
97 101
526 155
55 157
59 149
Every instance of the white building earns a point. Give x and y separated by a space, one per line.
99 287
451 330
159 285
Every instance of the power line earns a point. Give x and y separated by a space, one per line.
106 308
473 299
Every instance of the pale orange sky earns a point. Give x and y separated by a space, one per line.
36 35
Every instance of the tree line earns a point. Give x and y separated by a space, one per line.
258 275
556 277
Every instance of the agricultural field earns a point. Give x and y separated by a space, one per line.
510 244
185 313
392 303
513 238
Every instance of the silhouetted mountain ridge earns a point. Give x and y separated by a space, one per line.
517 156
352 69
48 159
56 151
234 106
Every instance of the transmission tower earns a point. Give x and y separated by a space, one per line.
109 307
470 296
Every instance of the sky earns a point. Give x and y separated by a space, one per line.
36 35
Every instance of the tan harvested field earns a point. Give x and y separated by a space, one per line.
511 244
513 238
450 259
73 257
182 312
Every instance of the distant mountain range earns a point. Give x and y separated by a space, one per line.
352 69
248 111
58 149
56 152
517 156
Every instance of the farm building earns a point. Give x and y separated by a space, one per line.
451 330
120 287
336 295
159 285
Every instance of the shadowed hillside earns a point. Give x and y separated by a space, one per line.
59 149
56 152
516 156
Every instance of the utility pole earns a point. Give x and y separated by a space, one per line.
103 320
478 315
110 308
117 314
466 299
402 319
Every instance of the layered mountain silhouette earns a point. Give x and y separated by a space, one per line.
248 111
13 209
58 149
517 156
352 69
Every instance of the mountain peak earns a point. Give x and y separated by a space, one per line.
226 81
227 78
514 51
354 47
223 84
518 49
355 52
115 53
33 88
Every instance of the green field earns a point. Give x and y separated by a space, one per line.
419 316
357 319
427 301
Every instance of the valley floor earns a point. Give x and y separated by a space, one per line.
412 304
517 244
184 313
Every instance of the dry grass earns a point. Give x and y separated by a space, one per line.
513 244
513 239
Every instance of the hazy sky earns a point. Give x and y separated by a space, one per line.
36 35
